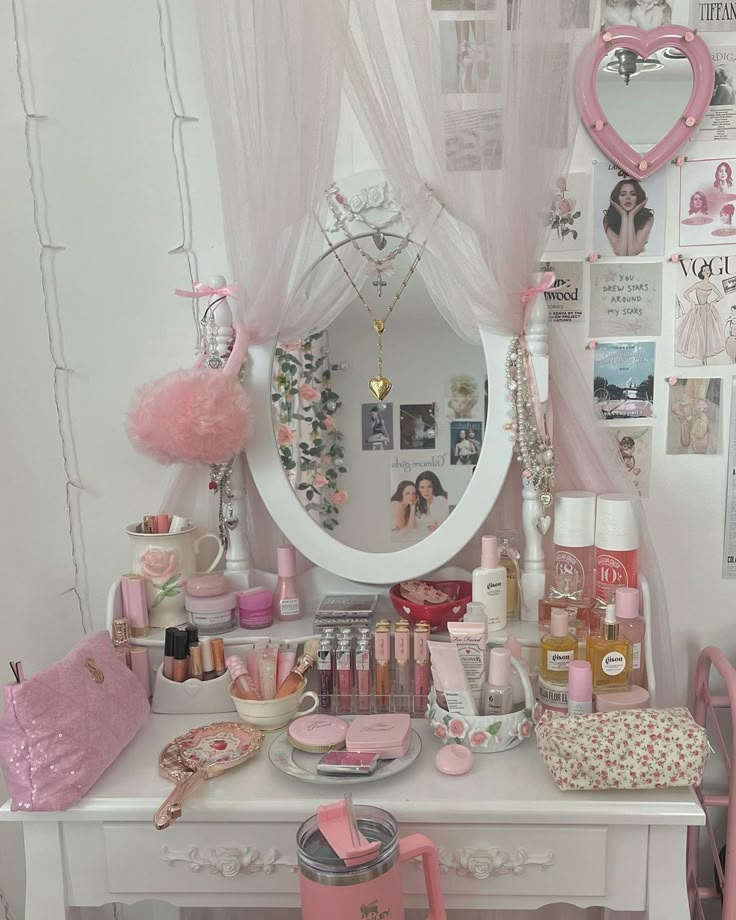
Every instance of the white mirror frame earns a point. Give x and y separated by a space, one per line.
412 561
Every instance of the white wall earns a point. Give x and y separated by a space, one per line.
109 172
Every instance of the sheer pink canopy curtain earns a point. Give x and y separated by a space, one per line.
479 107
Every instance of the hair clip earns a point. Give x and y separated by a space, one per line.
593 257
17 668
672 380
676 257
591 344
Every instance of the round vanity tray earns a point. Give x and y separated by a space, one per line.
303 766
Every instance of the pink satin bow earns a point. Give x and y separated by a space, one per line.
204 290
547 281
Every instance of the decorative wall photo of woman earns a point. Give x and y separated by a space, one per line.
628 221
726 218
697 211
707 196
631 213
700 332
404 507
433 506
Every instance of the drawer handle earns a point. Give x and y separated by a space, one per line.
228 861
482 863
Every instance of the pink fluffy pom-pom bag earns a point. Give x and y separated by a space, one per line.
198 415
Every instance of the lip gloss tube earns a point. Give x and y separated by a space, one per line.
363 675
382 640
344 669
208 660
402 645
244 686
421 666
325 675
218 657
286 661
169 637
252 655
181 656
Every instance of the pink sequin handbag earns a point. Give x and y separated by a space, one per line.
631 749
62 728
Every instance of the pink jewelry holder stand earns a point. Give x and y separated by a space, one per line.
642 165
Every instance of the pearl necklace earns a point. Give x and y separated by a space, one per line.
532 448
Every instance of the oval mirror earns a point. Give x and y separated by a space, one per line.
380 490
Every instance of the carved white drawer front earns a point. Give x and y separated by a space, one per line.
514 860
201 857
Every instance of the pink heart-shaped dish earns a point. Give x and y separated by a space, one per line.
644 44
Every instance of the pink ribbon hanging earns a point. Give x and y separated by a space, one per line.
544 425
204 290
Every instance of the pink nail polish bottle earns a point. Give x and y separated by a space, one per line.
286 600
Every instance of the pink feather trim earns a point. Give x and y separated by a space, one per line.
196 415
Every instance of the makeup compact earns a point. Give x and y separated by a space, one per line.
317 733
348 763
385 734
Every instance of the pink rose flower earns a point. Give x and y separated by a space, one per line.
284 435
439 729
319 480
525 729
339 497
329 422
308 393
159 563
457 728
565 207
479 739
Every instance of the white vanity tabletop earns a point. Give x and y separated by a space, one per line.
513 787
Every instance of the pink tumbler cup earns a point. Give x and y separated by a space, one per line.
331 889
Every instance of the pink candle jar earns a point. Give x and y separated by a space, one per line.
256 608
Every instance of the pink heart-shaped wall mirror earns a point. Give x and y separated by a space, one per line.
613 94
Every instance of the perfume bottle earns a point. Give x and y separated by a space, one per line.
557 649
632 626
489 584
566 595
508 556
610 656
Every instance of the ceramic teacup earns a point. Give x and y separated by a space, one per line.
270 715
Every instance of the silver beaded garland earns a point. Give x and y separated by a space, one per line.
533 451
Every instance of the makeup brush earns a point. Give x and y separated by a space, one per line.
304 662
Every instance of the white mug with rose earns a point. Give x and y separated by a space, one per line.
167 560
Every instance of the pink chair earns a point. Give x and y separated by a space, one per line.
706 708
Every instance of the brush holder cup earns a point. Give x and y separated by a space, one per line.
484 734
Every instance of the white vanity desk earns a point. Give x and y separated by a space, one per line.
508 838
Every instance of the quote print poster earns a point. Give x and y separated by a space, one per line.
705 310
629 215
707 203
625 299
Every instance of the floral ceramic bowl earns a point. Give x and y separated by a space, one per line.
484 734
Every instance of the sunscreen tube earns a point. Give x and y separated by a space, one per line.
446 663
470 641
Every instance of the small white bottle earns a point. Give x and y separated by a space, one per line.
489 584
475 613
496 697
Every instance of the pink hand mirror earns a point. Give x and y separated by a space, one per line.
612 72
202 754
